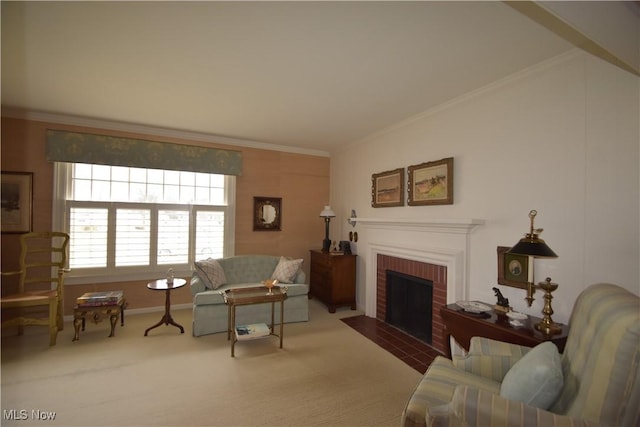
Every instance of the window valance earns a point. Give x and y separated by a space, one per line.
75 147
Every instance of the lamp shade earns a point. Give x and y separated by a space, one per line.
533 247
327 212
531 244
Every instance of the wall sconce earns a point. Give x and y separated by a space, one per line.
534 247
352 219
327 213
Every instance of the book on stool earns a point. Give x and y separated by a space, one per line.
98 299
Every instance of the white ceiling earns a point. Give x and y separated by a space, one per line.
312 75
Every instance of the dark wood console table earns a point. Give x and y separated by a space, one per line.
462 326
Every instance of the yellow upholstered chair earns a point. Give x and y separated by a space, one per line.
600 368
43 258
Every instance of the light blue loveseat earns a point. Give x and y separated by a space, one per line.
210 311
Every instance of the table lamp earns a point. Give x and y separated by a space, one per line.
327 213
534 247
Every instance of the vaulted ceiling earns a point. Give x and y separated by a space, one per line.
311 75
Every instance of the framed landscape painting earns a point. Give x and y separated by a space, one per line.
431 183
17 193
387 188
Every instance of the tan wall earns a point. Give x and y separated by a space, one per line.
302 181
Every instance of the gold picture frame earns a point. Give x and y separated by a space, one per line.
17 202
513 269
431 183
387 188
267 213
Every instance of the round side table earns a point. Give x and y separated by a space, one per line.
161 285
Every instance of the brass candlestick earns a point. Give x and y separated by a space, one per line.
547 326
531 287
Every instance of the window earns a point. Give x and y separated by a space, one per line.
137 223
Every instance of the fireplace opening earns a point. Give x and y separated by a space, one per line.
409 304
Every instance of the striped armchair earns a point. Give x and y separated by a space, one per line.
600 366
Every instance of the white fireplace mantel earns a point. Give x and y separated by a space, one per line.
442 242
462 226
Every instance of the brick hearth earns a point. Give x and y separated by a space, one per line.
436 273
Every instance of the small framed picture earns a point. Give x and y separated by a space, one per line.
387 188
513 269
17 200
267 213
431 183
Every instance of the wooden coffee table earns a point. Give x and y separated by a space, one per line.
255 295
96 314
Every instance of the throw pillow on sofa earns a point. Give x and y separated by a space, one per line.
286 270
211 273
536 379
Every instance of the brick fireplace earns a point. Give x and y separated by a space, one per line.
435 273
435 250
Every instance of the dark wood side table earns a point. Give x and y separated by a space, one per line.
462 326
333 279
162 285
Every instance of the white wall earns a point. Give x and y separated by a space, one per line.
562 138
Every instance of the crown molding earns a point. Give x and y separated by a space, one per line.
40 116
532 70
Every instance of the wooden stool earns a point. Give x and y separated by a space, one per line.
96 314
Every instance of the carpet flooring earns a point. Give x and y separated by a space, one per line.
327 374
